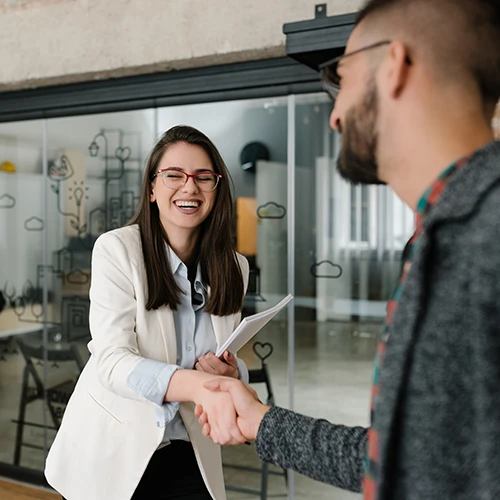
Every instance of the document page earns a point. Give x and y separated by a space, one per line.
249 326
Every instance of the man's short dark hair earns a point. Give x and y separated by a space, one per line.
462 36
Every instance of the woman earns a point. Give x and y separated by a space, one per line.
166 290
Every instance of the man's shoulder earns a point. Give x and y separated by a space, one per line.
473 241
470 188
485 218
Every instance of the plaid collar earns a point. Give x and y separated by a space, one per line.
433 192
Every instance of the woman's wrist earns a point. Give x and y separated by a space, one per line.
187 386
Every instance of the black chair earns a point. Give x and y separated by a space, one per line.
259 376
57 394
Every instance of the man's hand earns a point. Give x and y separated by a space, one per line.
210 363
246 403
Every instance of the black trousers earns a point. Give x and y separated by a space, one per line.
172 474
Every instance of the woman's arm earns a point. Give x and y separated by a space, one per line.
113 309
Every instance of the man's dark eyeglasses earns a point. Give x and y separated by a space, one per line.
328 70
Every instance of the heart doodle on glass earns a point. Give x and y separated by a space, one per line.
123 154
263 350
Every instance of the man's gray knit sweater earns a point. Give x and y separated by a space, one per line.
439 405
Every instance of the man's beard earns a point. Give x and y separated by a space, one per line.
357 162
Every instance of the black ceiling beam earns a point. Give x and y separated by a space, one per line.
315 41
271 77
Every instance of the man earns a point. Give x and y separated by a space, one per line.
419 83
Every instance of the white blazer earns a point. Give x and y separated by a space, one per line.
109 433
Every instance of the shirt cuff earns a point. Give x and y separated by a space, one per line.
150 379
170 411
242 371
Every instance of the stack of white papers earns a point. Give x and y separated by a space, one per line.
249 326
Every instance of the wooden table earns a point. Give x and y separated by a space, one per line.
11 325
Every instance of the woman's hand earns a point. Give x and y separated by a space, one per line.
220 417
210 363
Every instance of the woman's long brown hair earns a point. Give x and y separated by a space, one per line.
215 250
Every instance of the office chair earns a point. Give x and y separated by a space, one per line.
57 394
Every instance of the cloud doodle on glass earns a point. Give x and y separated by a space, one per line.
78 277
326 269
33 224
7 201
271 210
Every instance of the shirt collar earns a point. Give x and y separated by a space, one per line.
433 192
178 267
175 262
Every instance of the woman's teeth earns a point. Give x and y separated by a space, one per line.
188 204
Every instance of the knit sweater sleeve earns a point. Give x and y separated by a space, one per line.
323 451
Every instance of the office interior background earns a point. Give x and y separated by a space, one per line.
86 89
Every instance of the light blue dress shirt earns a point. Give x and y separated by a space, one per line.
195 337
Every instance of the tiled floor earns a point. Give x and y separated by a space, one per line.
333 371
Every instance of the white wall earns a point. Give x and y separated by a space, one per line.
56 41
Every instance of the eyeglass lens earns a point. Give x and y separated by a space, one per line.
330 80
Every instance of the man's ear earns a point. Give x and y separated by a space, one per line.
396 69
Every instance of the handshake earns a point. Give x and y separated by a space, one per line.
230 412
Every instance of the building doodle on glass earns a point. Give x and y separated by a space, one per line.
89 205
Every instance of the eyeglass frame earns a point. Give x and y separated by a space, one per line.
331 87
188 176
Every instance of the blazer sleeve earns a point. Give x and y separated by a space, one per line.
113 309
333 454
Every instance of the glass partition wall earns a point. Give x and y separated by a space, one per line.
348 244
23 233
65 181
62 183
